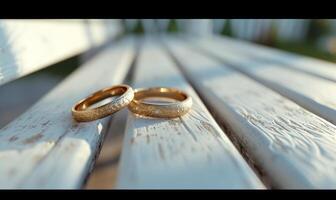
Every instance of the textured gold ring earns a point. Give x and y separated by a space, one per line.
170 110
82 113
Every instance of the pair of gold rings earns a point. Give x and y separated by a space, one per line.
134 100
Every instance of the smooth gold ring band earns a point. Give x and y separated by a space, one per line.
171 110
82 113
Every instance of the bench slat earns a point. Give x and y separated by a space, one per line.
187 152
292 147
44 147
316 67
29 45
304 89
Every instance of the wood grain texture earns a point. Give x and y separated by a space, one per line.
315 94
29 45
316 67
292 146
186 152
45 147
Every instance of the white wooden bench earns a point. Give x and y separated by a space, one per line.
291 146
255 122
42 147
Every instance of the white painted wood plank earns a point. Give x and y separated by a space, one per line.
292 147
29 45
45 147
187 152
303 63
315 94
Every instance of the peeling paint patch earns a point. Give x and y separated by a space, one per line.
33 139
13 138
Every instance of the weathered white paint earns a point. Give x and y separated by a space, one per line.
45 147
292 147
29 45
187 152
315 94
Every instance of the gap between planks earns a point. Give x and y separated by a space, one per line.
289 83
294 147
56 151
186 152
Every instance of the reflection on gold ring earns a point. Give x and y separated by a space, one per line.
171 110
82 113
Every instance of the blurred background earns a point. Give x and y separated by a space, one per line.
311 37
315 38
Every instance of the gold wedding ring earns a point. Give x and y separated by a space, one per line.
170 110
82 113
